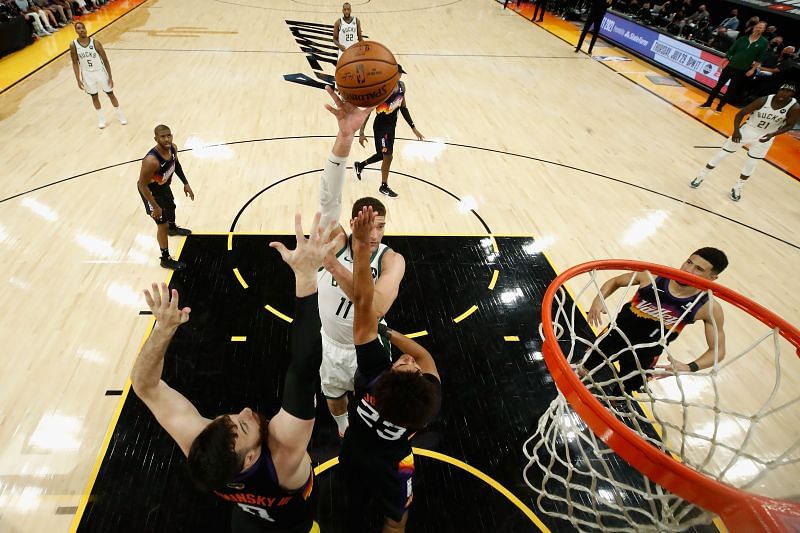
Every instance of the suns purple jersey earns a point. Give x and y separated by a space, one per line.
257 492
386 113
646 311
166 168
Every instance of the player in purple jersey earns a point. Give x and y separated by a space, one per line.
383 130
640 320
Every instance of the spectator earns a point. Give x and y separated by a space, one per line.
37 16
740 64
784 70
693 21
771 33
726 32
645 14
750 24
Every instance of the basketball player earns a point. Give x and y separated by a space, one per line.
346 30
259 464
392 401
93 72
336 280
155 179
641 321
770 116
383 129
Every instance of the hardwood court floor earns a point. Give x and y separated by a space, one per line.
537 140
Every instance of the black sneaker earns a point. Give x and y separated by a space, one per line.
177 230
172 264
705 105
386 191
358 167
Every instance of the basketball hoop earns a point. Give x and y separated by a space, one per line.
685 473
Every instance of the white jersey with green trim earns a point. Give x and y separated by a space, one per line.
769 120
348 32
88 57
335 308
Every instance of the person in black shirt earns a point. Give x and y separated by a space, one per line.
260 465
596 13
392 401
383 130
155 178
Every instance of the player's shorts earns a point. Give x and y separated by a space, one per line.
338 367
750 137
96 80
165 201
339 363
384 140
373 477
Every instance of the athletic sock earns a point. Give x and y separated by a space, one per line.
164 253
739 184
341 423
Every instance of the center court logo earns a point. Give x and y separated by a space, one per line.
316 41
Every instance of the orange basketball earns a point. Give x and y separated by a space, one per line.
366 74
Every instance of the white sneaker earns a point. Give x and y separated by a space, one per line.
122 119
102 123
696 182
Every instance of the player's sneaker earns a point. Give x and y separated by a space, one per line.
172 264
178 231
696 182
358 168
101 123
736 195
121 118
386 191
705 105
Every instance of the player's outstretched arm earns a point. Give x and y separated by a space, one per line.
411 347
365 322
290 430
173 411
348 118
608 288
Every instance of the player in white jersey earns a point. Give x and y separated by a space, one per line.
336 280
770 116
93 72
346 30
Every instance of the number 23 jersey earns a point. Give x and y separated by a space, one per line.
335 308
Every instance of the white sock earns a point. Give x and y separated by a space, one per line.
739 184
703 173
341 422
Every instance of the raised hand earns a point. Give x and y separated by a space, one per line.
310 252
164 306
349 117
363 224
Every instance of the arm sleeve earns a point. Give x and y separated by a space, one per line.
372 358
299 391
330 189
179 172
407 115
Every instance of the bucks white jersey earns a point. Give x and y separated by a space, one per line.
768 120
335 308
88 57
348 33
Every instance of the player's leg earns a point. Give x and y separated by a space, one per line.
336 375
91 88
755 154
173 229
377 135
106 86
728 148
391 526
387 149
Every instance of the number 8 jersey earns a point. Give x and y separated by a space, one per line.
335 308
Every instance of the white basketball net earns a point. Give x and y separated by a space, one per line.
703 418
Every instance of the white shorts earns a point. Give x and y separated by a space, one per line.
750 136
94 80
338 367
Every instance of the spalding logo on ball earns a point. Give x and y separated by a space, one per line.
366 74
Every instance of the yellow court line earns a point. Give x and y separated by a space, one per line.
465 314
238 339
492 283
417 334
511 338
230 241
467 468
278 313
240 278
494 244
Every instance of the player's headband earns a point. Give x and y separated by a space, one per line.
789 87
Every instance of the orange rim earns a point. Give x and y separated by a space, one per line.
741 511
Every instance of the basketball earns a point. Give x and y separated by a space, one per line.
366 74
